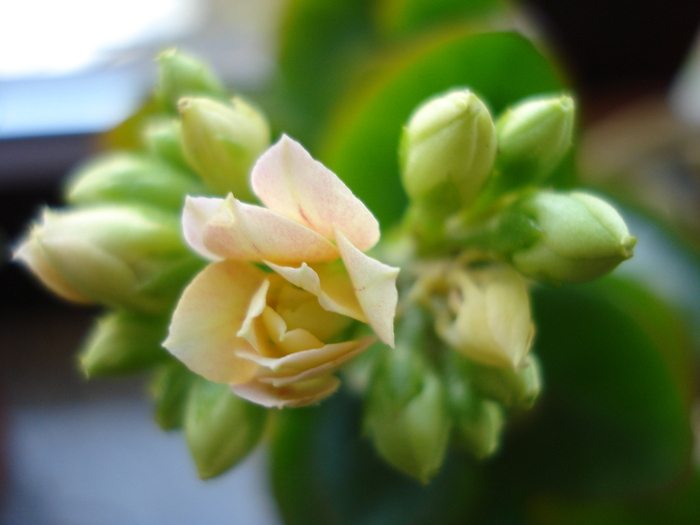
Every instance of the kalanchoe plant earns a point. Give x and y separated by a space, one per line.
290 295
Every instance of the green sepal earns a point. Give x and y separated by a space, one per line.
169 389
221 428
123 342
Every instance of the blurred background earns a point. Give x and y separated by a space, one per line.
88 453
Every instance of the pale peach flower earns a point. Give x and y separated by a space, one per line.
267 334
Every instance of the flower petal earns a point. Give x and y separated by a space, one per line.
296 395
245 232
329 282
375 287
206 321
290 182
195 216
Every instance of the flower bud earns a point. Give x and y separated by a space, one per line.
222 141
162 138
221 428
123 342
512 387
533 137
486 315
120 256
581 238
131 178
406 414
447 152
478 422
182 75
169 389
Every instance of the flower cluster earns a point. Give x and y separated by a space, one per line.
269 334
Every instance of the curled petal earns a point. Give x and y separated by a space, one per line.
295 395
329 282
290 182
374 285
205 324
195 216
307 364
245 232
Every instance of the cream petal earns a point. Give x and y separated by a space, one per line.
375 287
290 182
251 233
318 362
328 282
328 357
205 325
296 395
195 216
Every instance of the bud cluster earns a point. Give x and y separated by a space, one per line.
119 244
482 224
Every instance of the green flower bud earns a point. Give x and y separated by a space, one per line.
447 152
120 256
182 75
478 422
221 428
170 388
222 141
581 238
406 414
123 342
533 137
513 388
162 138
131 178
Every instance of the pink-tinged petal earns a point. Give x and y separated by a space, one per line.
246 232
329 282
205 324
292 396
375 287
290 182
197 212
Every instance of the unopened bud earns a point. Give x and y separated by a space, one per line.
447 152
478 422
162 138
169 389
120 256
581 237
406 413
123 342
486 315
221 428
131 178
221 142
182 75
512 387
533 138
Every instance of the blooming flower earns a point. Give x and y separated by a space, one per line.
267 333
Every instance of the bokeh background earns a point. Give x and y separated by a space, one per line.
77 452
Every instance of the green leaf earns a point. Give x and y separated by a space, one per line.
401 18
323 472
614 418
362 141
